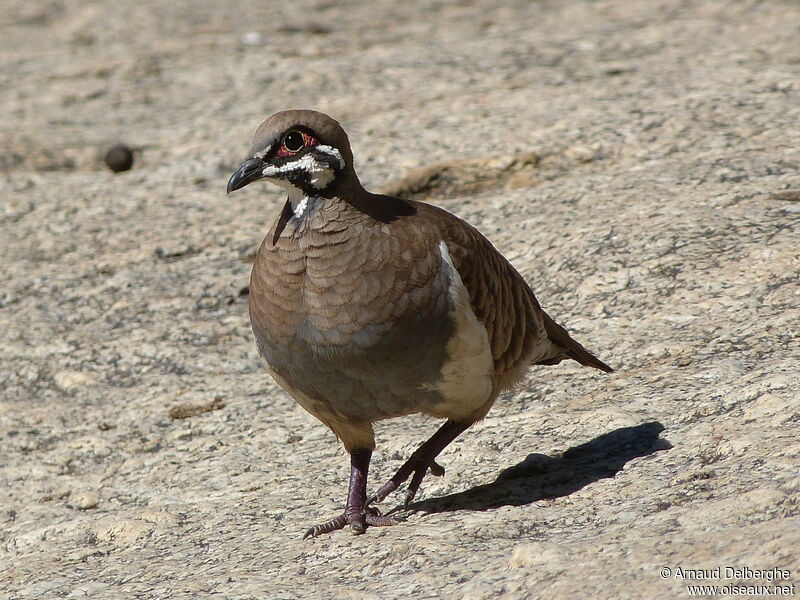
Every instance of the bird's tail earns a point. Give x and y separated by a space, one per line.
572 349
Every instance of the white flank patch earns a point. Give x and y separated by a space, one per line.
319 175
467 375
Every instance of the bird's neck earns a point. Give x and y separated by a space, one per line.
298 201
350 191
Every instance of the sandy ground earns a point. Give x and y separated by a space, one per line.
638 161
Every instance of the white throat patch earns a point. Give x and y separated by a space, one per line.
297 199
301 207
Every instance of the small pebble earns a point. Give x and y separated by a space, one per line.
581 154
119 158
252 38
85 500
70 381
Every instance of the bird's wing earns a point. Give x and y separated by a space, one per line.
520 332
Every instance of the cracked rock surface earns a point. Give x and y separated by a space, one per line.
145 452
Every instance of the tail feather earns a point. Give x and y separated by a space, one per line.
572 349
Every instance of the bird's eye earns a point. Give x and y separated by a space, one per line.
293 141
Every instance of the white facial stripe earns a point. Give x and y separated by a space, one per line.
319 175
331 151
263 153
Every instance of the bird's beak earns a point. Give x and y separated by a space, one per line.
250 170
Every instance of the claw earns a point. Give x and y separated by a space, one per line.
419 472
413 486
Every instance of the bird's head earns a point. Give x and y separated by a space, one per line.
303 151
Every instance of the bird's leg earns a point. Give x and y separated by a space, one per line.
356 514
422 459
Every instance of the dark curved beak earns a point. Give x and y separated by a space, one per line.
250 170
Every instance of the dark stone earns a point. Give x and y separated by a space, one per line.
119 158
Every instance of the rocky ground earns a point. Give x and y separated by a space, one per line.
638 161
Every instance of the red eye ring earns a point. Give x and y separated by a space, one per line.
294 141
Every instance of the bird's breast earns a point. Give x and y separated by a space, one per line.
371 325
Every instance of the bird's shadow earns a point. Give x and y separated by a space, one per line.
540 477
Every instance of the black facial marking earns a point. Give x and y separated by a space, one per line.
283 219
301 178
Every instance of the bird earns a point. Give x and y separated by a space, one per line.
367 307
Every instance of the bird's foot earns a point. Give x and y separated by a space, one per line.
416 467
422 459
358 521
